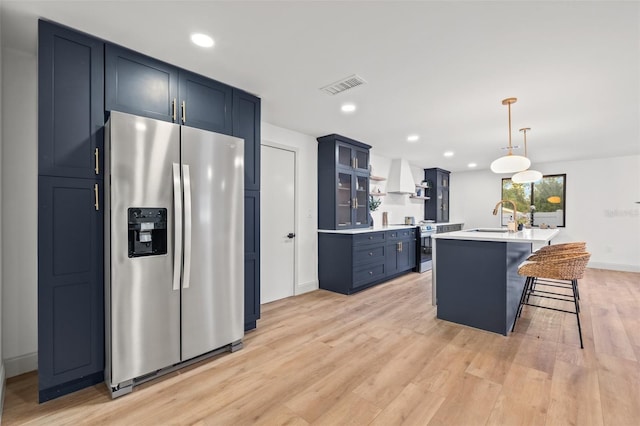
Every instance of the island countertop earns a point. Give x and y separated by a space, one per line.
532 235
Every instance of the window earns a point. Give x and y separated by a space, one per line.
536 203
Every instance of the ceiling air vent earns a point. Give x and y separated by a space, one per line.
344 84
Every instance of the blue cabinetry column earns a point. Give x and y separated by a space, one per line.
70 219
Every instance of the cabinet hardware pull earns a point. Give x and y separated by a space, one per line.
370 272
184 111
96 156
400 246
173 109
356 162
370 253
95 191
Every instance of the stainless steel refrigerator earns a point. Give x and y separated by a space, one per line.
174 232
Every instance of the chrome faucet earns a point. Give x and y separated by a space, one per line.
515 211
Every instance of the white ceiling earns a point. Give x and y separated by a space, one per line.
438 69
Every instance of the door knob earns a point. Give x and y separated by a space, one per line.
291 235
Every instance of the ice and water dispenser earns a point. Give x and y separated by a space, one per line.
147 231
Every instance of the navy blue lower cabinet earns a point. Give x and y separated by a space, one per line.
251 259
349 263
70 285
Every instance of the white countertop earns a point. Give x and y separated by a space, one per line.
533 235
364 230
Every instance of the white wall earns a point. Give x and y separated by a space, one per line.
601 206
2 372
19 211
307 202
397 206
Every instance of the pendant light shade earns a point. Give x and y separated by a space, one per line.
510 163
526 176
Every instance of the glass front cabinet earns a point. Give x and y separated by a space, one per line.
343 183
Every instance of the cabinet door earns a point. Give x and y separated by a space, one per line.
246 125
140 85
361 157
70 102
344 200
251 259
352 157
70 286
344 155
361 197
204 103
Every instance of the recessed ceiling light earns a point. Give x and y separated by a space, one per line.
472 165
202 40
412 138
348 108
448 154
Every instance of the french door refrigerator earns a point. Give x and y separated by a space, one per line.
174 232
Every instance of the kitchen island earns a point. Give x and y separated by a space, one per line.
475 275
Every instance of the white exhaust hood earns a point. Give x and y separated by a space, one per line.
400 178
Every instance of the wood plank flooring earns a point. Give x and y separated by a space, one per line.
380 357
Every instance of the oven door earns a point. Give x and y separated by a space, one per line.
425 261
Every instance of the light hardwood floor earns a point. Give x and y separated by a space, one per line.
380 357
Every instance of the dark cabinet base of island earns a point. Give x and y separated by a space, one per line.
351 262
478 283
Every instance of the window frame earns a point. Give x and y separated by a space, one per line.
532 194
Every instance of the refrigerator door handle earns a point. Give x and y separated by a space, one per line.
177 227
187 226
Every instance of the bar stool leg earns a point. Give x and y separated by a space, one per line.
575 301
520 305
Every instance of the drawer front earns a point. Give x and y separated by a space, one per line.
401 234
371 254
368 238
366 275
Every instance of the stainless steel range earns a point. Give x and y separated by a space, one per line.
424 261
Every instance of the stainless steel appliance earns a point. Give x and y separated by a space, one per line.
174 235
425 257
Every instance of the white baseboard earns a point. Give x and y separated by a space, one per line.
307 287
20 364
614 266
2 388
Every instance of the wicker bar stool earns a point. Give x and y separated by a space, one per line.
574 246
558 251
561 272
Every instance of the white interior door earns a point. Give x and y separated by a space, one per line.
277 223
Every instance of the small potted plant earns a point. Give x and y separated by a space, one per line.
374 203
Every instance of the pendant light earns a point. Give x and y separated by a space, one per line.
510 163
526 176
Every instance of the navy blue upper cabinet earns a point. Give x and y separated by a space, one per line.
246 125
343 183
70 102
138 84
204 103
